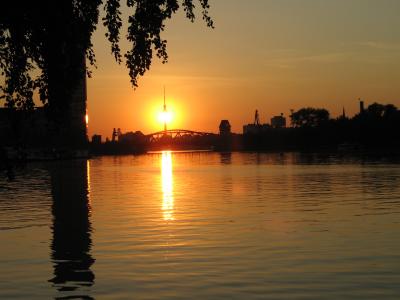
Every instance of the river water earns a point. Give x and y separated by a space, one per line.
202 226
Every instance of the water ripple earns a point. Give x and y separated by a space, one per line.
203 226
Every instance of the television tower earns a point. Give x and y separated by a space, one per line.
165 114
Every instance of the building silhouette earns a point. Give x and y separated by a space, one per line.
96 139
39 128
224 127
55 127
278 121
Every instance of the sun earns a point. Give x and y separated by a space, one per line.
165 117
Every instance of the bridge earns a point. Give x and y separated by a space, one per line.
176 134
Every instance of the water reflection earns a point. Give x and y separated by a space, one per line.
88 178
71 243
225 158
167 185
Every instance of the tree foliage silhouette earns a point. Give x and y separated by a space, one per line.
43 44
309 117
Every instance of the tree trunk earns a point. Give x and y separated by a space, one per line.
66 70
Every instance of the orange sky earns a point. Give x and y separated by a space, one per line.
270 55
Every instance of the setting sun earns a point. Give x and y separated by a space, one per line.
165 117
172 116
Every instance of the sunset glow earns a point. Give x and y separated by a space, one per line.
165 117
310 61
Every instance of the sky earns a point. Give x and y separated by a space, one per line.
270 55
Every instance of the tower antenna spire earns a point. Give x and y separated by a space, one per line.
165 106
165 114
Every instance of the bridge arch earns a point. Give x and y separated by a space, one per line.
175 134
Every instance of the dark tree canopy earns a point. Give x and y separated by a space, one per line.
309 117
44 43
377 110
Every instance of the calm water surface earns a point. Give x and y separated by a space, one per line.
202 226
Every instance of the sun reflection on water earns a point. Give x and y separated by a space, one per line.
167 185
89 181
